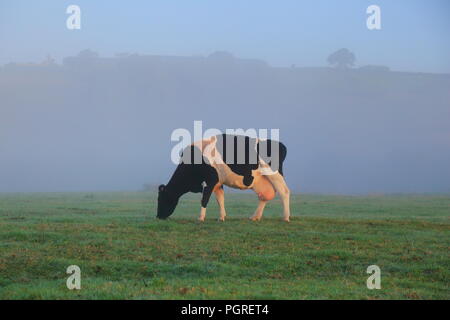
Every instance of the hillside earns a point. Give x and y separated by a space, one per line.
105 123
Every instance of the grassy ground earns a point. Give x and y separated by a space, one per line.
124 252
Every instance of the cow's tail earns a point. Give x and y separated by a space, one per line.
282 157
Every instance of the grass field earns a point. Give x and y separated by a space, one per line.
124 252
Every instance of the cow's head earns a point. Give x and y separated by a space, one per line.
166 203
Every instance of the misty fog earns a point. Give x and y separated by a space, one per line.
98 123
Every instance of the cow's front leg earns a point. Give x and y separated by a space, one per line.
202 214
208 187
220 197
259 211
280 186
205 199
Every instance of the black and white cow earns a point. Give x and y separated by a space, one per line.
238 162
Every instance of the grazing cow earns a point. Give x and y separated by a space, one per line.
238 162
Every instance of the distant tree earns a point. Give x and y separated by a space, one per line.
85 58
49 61
221 56
342 59
87 54
222 59
122 55
374 68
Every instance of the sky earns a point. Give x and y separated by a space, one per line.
414 34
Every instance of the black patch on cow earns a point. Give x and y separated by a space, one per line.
188 177
265 152
241 154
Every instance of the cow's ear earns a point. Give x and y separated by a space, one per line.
161 188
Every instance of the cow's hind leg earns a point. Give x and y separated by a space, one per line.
259 211
280 186
266 192
220 197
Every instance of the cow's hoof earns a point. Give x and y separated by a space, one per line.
222 219
254 218
286 220
201 219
